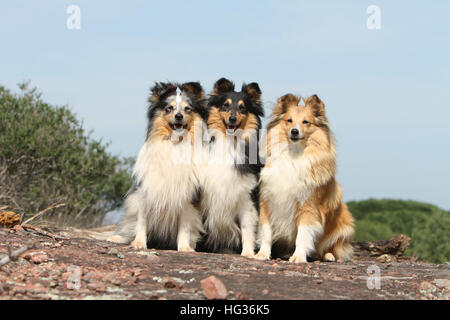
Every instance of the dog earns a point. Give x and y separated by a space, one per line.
229 177
301 208
161 209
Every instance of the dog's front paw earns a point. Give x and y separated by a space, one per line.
247 253
298 258
186 249
329 257
139 244
262 256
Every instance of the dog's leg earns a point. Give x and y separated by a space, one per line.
265 232
140 242
248 219
309 229
189 227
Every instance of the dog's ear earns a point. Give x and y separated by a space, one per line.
316 105
285 101
318 110
281 107
195 89
159 90
222 85
253 90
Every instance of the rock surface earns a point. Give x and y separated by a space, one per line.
78 268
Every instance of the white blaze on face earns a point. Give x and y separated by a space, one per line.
178 100
304 102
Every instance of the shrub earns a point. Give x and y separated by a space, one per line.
427 225
46 157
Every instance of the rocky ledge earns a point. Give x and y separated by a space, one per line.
38 263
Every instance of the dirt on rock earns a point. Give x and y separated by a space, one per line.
69 267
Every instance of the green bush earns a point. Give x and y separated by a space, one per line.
426 225
46 158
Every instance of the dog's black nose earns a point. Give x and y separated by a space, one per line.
179 116
232 119
294 132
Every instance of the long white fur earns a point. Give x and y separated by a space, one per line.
305 242
226 198
161 206
265 239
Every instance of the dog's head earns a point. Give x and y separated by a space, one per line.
231 110
175 107
296 122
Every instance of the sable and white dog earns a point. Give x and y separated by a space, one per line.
229 177
160 210
301 208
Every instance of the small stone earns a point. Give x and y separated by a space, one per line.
97 286
426 286
57 244
265 292
112 252
385 258
115 252
37 257
319 281
240 296
214 288
443 283
169 283
203 268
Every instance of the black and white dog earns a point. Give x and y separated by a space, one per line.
229 176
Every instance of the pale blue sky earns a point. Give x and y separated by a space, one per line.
386 91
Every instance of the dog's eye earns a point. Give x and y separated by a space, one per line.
305 121
242 108
187 109
289 120
226 104
169 109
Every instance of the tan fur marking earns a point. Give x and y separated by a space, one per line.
264 214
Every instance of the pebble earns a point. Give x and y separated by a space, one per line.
426 286
214 288
97 286
169 283
37 257
443 283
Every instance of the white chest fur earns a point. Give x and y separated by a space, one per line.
285 185
167 174
226 191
